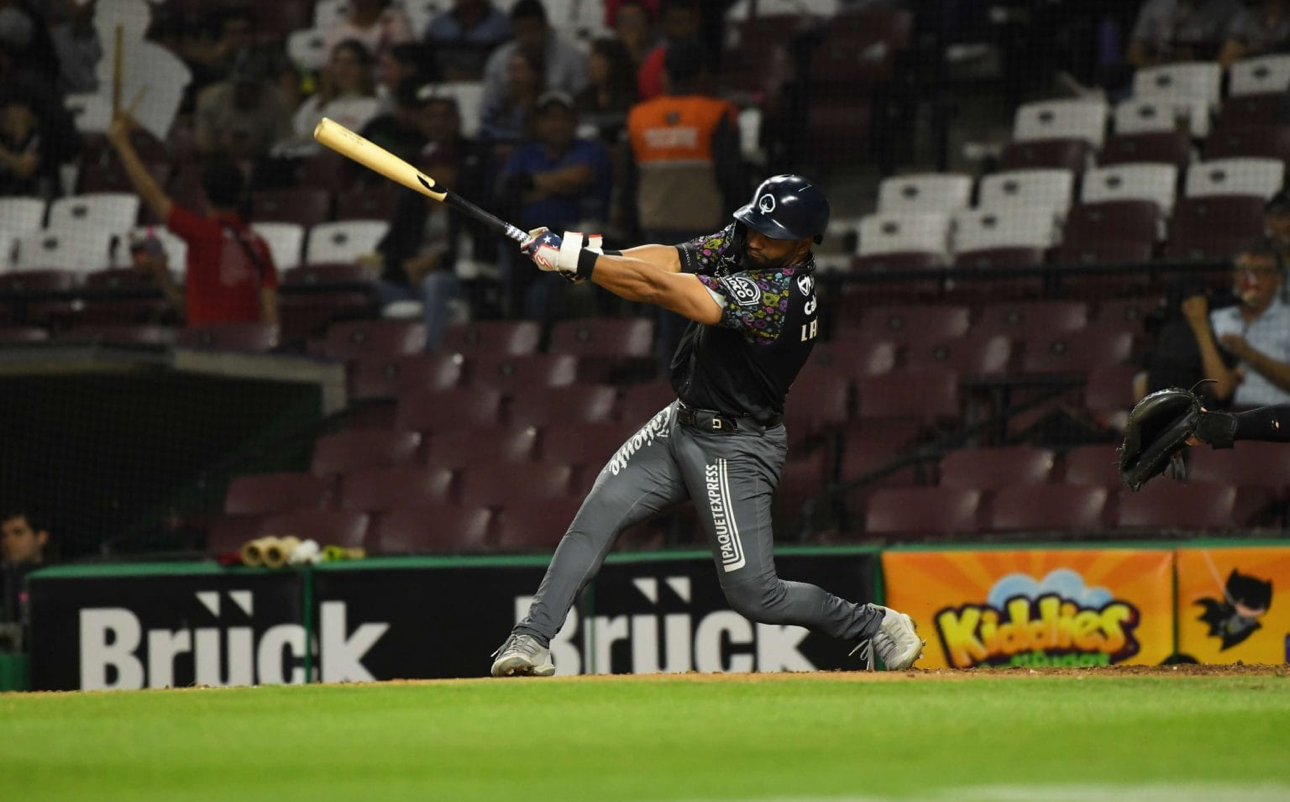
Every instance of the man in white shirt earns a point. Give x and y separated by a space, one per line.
1246 348
565 65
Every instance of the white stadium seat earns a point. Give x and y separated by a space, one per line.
1149 115
470 103
1053 188
327 12
308 48
22 215
420 12
1244 176
344 241
1061 119
1259 75
1192 79
285 240
80 248
901 232
113 211
1014 227
741 10
925 192
1146 181
176 249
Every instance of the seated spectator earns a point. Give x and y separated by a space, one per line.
1255 31
76 41
374 23
30 106
564 66
230 276
23 543
25 166
633 24
505 118
557 181
1245 349
398 130
1180 30
679 21
611 91
398 64
211 49
462 38
243 116
347 95
1174 358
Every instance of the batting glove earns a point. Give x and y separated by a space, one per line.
551 252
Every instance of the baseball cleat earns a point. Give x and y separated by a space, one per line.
896 642
522 656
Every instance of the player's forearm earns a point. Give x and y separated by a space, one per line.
638 280
1265 423
660 257
142 180
1224 379
1276 372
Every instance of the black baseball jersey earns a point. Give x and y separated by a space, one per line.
745 364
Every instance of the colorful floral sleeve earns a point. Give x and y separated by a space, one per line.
755 305
705 254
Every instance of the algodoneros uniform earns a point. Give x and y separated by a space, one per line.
721 444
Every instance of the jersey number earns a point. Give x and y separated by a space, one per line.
809 330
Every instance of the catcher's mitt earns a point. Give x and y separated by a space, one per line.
1157 432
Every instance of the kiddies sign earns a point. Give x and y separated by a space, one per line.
1036 607
1233 604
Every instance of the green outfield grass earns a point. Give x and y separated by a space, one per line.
980 738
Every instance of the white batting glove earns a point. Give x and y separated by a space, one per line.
552 252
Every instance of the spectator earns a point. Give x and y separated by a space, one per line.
76 42
23 541
564 66
243 116
213 52
398 64
374 23
463 37
506 118
347 95
25 166
680 21
1180 30
1276 222
399 130
685 174
1174 359
558 181
1255 31
633 24
1245 348
611 91
230 276
23 33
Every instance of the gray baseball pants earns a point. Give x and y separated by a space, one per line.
731 478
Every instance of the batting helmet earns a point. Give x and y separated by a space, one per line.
786 207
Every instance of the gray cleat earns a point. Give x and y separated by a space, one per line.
896 642
521 656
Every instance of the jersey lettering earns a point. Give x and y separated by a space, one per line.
809 330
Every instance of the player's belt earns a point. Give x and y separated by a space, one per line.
711 421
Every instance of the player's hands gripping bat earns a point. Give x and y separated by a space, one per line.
1159 428
552 252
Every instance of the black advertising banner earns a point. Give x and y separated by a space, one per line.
140 627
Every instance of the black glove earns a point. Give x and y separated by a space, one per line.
1157 432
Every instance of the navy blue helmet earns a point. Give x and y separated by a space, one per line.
787 207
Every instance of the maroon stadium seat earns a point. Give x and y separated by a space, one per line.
374 338
1260 141
1158 147
643 401
492 337
37 280
1063 153
859 49
1092 465
457 408
801 479
376 203
277 492
927 395
898 261
514 373
1247 464
376 489
23 334
1111 221
1127 312
613 337
1079 351
1214 226
855 358
462 448
973 355
501 484
1000 258
922 511
1027 321
392 376
838 129
431 528
305 316
908 324
1110 388
329 528
228 533
863 452
1242 111
1092 252
249 337
1048 508
535 524
326 273
820 402
122 333
307 206
584 444
1171 505
574 403
996 468
344 452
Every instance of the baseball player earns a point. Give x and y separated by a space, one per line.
749 292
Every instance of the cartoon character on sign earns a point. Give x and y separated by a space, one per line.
1234 618
1055 621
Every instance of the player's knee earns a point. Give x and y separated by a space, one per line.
759 601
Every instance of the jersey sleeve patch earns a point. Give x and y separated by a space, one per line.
755 306
704 254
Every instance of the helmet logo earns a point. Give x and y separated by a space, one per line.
766 203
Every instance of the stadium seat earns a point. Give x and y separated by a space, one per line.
535 524
640 402
327 527
1040 508
1159 114
1171 505
1131 221
1150 182
1252 110
1061 119
326 273
996 468
926 511
926 395
492 337
851 358
374 339
612 337
1260 75
802 479
308 48
120 334
1103 252
513 373
23 334
584 445
908 324
379 489
821 403
1200 80
1248 464
864 452
1214 227
945 193
250 337
898 261
344 241
261 494
307 206
503 483
1165 147
839 128
1012 227
1028 321
1092 465
328 170
1002 257
431 528
1109 388
345 452
1077 352
421 372
18 281
78 248
971 356
859 49
458 408
1240 176
1069 153
467 447
226 534
1252 141
377 203
285 241
904 232
22 215
573 403
1051 188
109 211
1128 312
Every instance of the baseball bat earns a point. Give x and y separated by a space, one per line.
374 157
